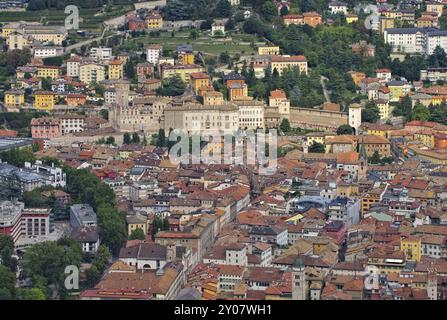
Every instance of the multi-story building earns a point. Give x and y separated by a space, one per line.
33 176
70 123
268 50
345 210
18 222
194 117
52 72
44 100
183 71
371 144
199 80
154 21
73 66
251 114
47 52
46 128
153 53
145 114
82 215
281 63
279 101
101 54
14 98
91 72
116 70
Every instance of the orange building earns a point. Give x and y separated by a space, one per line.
238 91
312 19
198 80
76 99
440 141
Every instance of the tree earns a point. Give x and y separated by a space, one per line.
30 294
224 57
268 10
137 234
375 158
370 113
7 283
194 34
317 147
420 112
92 276
161 140
284 11
285 125
345 129
112 227
49 259
223 9
173 86
135 137
126 138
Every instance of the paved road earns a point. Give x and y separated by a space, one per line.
327 96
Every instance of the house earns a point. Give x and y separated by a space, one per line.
154 21
144 256
281 63
338 7
217 29
88 237
44 100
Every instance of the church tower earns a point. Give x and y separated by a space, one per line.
355 117
299 283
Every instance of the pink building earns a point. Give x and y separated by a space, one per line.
46 127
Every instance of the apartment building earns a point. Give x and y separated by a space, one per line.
281 63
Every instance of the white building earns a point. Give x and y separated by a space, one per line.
251 114
48 52
101 54
72 123
153 53
355 116
218 29
338 7
434 39
406 40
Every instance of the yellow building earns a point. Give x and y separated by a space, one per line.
213 98
8 29
116 70
370 198
426 137
198 80
351 18
347 190
398 89
412 248
14 98
281 63
44 100
435 7
91 72
154 21
136 222
183 71
268 50
386 23
384 109
318 137
186 58
437 100
48 72
16 41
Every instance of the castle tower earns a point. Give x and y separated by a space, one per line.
355 116
432 284
299 283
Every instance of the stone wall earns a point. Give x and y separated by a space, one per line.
315 118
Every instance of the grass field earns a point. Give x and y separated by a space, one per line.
203 43
57 17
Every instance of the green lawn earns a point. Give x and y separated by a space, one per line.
57 17
203 43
